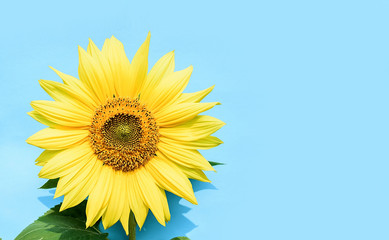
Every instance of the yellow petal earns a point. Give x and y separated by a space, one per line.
75 197
98 199
195 97
94 76
103 64
203 143
56 139
67 183
124 218
83 185
169 177
165 204
150 193
193 173
63 93
46 156
126 204
176 114
163 67
35 115
78 88
66 161
137 205
138 69
169 89
62 114
199 127
113 51
116 201
186 157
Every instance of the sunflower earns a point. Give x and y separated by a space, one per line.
121 136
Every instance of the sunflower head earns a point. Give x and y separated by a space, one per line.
122 136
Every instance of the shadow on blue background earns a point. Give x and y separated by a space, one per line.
178 225
49 200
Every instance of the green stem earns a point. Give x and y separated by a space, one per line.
132 227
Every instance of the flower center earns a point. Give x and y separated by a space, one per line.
122 130
123 134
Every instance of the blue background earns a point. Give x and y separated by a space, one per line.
304 87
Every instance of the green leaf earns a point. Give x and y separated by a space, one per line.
180 238
51 183
68 224
215 163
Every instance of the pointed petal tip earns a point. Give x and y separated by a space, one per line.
62 208
105 224
57 195
28 140
55 70
41 175
114 39
140 226
33 104
41 82
210 168
170 56
88 223
52 68
148 38
80 50
124 225
188 70
194 201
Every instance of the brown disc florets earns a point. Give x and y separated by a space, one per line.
124 134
